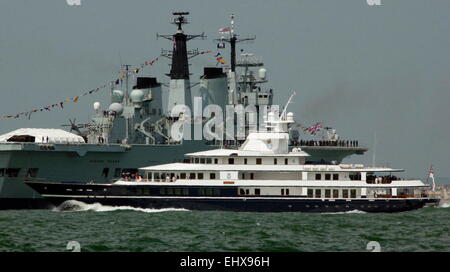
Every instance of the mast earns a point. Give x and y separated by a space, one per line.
127 120
232 39
179 90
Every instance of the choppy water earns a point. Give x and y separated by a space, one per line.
104 228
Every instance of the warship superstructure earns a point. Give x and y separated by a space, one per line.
135 130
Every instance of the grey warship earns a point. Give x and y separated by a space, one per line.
135 129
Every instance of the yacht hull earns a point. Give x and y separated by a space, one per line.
119 195
260 205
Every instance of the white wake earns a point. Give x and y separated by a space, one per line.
347 212
78 206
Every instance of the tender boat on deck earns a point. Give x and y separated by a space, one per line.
263 175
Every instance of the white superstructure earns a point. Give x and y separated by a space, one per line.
264 166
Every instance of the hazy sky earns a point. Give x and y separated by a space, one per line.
361 69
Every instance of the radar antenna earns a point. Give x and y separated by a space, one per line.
179 54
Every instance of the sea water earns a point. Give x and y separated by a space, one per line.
94 227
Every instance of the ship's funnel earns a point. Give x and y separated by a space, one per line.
213 87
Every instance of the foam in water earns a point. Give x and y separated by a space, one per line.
444 205
74 205
347 212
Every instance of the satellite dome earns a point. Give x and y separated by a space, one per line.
290 116
137 96
117 96
262 73
116 107
96 106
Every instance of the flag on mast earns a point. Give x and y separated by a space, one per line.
225 30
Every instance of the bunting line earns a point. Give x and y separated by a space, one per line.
75 99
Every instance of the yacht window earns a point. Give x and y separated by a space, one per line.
197 160
209 191
243 175
169 191
216 161
32 172
318 176
353 193
2 172
258 160
252 175
257 191
245 161
156 176
230 160
202 160
183 175
327 193
286 161
318 193
287 191
241 191
178 191
282 191
191 175
275 161
345 193
310 192
209 160
212 175
335 176
200 176
162 191
355 176
327 176
335 193
247 191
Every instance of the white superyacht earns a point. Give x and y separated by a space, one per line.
261 175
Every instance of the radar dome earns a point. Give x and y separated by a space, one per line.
117 96
136 96
96 106
116 107
262 73
290 116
